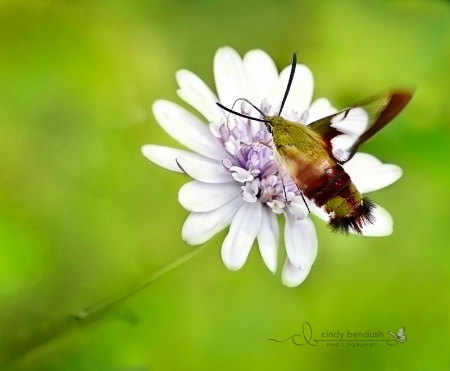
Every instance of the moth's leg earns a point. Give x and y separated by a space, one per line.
301 193
259 142
284 189
303 197
265 144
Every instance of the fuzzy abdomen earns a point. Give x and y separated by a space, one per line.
334 190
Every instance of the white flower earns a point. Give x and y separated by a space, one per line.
237 182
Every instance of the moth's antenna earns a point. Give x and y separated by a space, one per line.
256 108
291 77
241 114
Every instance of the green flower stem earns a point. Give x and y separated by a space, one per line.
104 305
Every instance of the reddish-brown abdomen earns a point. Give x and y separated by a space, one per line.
334 181
334 190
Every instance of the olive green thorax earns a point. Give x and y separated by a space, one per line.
308 144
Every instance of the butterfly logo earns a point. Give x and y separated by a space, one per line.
400 337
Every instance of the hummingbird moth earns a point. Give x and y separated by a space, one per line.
313 154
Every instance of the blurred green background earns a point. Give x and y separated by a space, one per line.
85 217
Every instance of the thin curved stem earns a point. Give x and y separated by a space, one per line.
104 305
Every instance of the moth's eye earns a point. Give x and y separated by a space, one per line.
269 128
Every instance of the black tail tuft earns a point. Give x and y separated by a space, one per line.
355 222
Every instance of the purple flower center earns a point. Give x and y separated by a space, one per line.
252 163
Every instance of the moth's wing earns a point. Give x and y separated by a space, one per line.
401 335
344 131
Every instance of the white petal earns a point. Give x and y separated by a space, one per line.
320 108
200 227
300 95
268 236
383 225
292 276
262 75
243 231
229 75
201 197
204 170
195 92
166 156
301 241
318 211
298 208
369 174
187 129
